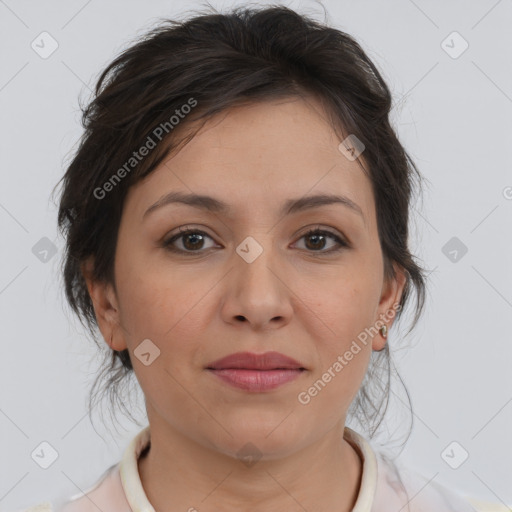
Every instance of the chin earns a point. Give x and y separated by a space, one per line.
253 436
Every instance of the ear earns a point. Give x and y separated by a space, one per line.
391 294
106 307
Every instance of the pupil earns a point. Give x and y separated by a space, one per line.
318 237
193 244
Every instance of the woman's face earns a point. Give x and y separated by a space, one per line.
251 280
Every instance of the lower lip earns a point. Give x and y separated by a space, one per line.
257 380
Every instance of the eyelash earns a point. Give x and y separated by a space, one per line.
314 231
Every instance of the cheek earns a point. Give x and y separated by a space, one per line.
346 350
340 313
153 295
171 308
163 308
343 352
346 303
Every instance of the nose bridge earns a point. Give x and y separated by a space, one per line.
257 292
255 259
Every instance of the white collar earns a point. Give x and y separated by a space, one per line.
138 501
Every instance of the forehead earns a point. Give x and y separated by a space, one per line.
260 155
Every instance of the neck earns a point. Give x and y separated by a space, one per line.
178 473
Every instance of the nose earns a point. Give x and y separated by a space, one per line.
257 293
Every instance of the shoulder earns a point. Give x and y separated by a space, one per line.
106 494
404 488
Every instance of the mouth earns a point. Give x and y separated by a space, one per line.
256 372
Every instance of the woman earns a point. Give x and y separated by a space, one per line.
236 223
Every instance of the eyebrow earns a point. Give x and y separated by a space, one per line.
291 206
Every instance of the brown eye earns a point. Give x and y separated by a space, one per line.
318 239
191 240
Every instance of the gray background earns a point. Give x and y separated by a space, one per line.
452 114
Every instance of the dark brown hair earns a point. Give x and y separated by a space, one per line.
217 61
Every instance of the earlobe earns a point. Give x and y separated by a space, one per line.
117 341
105 306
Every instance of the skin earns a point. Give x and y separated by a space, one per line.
197 308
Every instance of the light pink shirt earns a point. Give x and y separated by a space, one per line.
120 489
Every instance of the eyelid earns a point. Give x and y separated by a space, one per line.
326 229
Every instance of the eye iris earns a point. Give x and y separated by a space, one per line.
192 235
317 237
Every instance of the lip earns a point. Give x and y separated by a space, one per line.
251 361
256 372
256 381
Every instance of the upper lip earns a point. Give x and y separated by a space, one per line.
251 361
